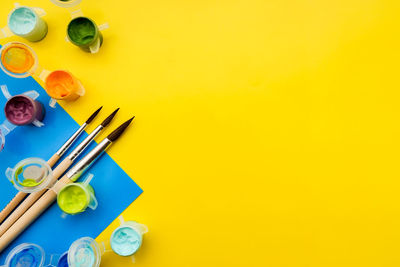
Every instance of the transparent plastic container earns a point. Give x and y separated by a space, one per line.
32 255
127 239
6 127
75 198
26 22
19 60
30 175
84 252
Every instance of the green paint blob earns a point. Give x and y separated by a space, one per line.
73 199
82 31
29 183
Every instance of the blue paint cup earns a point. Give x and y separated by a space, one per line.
26 255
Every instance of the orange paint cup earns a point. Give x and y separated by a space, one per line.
18 60
62 85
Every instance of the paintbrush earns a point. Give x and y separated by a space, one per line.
57 172
51 195
53 160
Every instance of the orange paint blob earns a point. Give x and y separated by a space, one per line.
17 58
61 84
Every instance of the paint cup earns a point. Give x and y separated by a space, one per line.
19 60
26 255
66 3
84 252
84 33
7 126
23 110
128 237
30 175
32 255
75 198
62 85
25 22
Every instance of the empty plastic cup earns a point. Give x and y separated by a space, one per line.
30 175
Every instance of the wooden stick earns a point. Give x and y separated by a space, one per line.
32 213
31 199
19 197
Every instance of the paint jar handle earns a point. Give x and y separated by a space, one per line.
32 94
9 173
5 32
38 123
4 90
94 48
142 228
52 102
52 260
7 127
2 139
76 13
40 11
43 75
105 246
121 220
81 90
87 179
104 26
93 201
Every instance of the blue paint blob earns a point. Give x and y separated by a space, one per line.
22 21
125 241
63 261
29 256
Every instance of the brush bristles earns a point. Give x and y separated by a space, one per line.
109 118
93 115
117 132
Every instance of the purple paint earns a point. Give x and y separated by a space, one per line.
23 110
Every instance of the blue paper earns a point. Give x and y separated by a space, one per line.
114 189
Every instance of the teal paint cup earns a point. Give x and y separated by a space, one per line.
27 22
84 33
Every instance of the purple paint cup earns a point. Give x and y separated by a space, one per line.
23 110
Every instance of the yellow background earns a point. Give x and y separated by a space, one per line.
267 131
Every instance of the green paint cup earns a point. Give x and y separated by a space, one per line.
84 33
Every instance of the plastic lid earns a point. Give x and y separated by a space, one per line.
63 260
84 252
66 3
18 60
30 175
26 255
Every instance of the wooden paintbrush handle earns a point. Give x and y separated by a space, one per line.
33 197
30 215
53 160
11 205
